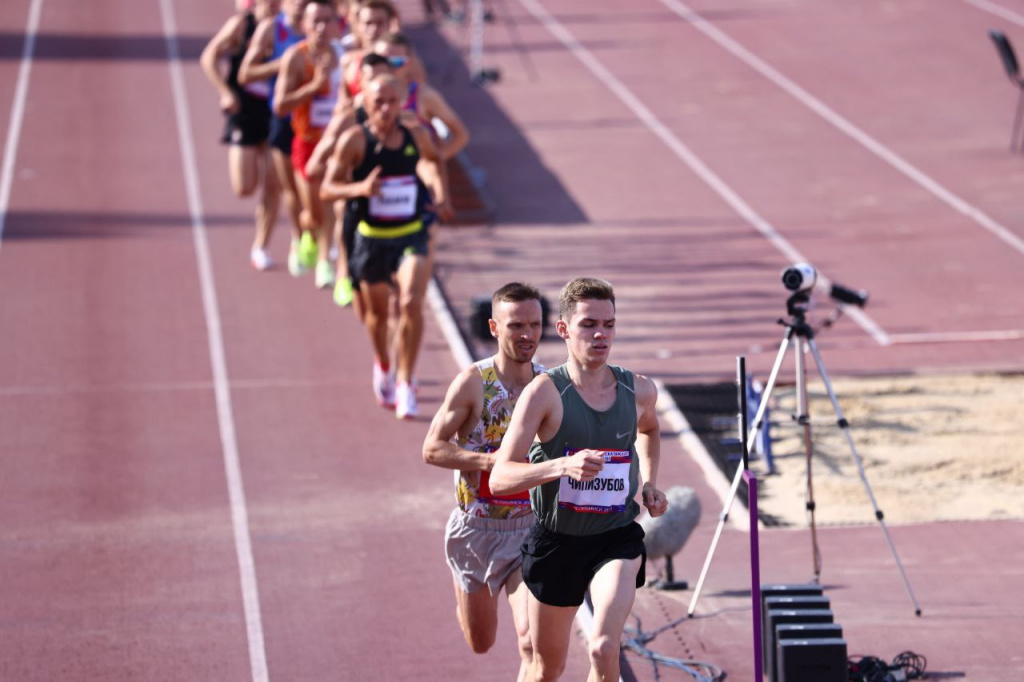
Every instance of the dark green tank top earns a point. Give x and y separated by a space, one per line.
587 508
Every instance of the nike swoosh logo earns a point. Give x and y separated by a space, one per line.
623 435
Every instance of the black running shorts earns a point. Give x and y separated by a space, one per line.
250 125
281 134
558 568
377 260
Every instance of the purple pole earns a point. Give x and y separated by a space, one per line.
755 557
755 572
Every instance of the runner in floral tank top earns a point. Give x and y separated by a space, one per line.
485 531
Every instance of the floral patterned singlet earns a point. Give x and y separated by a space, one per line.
472 491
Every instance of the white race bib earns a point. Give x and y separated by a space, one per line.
396 199
606 494
259 89
321 109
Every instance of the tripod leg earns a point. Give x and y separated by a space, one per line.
724 516
845 426
803 418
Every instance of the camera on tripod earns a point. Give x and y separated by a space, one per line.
801 278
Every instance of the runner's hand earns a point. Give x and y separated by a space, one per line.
443 209
584 465
654 500
321 72
371 185
229 102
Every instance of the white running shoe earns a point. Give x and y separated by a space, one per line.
324 275
383 387
295 266
260 259
405 402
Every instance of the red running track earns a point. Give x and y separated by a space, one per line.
120 553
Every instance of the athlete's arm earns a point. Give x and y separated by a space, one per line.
347 156
227 37
538 413
290 91
457 416
435 106
648 444
254 66
432 173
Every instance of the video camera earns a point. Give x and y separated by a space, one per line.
802 277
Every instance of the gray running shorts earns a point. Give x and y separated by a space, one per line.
483 551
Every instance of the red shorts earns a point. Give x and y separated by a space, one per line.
302 150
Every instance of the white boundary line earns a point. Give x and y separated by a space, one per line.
998 10
449 327
685 155
845 126
958 337
218 362
18 111
714 476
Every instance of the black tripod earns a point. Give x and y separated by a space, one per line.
798 327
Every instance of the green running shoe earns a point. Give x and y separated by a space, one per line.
343 292
308 250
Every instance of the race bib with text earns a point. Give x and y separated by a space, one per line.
396 199
606 494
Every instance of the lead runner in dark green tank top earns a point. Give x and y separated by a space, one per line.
577 508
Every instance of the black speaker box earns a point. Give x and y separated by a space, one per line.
781 590
778 617
789 603
812 660
480 313
786 631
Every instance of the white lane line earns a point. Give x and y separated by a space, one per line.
688 157
998 10
688 438
450 329
18 111
958 337
225 417
843 125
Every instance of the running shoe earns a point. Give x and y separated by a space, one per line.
343 291
260 259
405 402
324 275
383 387
308 250
295 266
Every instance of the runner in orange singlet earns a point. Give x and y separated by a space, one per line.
308 87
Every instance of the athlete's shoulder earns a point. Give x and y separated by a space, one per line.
644 387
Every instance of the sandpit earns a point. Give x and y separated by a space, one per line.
933 448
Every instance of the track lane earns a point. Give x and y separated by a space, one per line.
117 548
347 522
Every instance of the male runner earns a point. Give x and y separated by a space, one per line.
485 532
308 87
422 100
377 164
347 114
260 65
596 434
248 121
